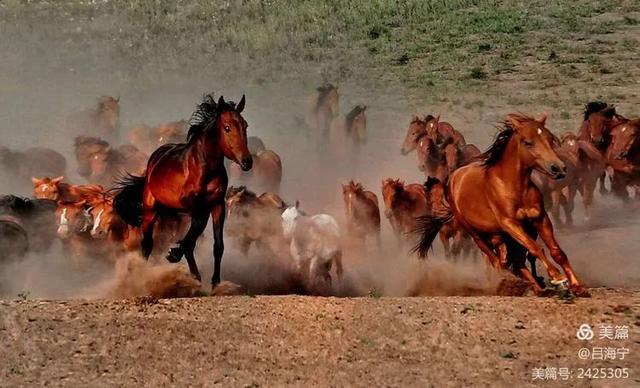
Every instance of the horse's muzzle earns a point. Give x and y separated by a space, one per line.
246 163
558 172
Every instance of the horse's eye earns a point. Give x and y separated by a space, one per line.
528 143
226 128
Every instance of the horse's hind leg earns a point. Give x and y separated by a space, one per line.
149 218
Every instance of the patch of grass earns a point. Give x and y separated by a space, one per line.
564 115
478 73
508 355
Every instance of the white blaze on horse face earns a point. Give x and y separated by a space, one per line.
44 188
539 131
571 143
96 222
624 129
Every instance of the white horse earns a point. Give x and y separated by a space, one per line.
314 246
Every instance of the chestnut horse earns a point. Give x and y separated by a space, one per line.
361 212
266 174
32 162
403 204
599 118
623 156
321 107
254 219
496 202
99 163
101 121
439 131
190 178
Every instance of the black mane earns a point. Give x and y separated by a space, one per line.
206 113
352 115
594 107
494 153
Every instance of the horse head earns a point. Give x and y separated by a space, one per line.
414 132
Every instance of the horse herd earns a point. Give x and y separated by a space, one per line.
157 192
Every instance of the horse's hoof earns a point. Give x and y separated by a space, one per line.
545 293
174 255
580 292
560 284
540 281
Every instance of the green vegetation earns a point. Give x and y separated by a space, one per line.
420 45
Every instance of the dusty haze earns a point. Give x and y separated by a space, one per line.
39 87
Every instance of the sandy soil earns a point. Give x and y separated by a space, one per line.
305 341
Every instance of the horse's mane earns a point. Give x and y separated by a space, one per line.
494 153
205 114
597 106
355 186
430 182
89 140
92 192
352 115
428 118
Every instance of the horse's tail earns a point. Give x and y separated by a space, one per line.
427 228
128 200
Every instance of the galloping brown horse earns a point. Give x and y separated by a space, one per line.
362 213
190 178
99 163
101 121
623 155
350 130
403 205
321 107
599 118
496 202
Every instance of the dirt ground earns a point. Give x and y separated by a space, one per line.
306 341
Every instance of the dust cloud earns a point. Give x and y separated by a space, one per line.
35 97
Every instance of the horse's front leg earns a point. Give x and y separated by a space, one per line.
515 230
217 218
188 243
545 229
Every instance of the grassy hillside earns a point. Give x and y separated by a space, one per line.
552 53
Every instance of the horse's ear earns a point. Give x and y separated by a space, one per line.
57 180
514 121
118 99
36 181
609 111
438 118
364 107
220 102
240 106
297 204
543 118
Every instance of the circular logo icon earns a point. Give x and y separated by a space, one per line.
585 333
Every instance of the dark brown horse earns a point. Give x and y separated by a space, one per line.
101 121
496 202
321 107
32 162
99 163
190 178
362 213
440 160
403 205
350 130
599 118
